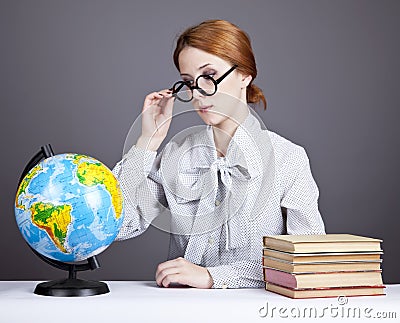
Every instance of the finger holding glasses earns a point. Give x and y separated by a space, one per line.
156 119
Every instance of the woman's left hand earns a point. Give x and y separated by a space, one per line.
183 272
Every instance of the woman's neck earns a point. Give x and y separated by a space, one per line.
222 138
224 132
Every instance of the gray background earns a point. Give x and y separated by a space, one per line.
75 73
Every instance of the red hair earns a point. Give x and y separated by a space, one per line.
227 41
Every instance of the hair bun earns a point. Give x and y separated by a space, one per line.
256 95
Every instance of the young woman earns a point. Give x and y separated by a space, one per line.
226 186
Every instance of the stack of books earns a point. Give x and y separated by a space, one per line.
308 266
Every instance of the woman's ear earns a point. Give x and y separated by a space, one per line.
246 79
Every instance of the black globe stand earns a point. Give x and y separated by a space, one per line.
71 286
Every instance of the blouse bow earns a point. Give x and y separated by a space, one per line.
212 214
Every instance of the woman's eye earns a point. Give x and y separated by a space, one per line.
188 82
210 74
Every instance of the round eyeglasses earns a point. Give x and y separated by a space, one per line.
205 84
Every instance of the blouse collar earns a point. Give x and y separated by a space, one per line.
242 149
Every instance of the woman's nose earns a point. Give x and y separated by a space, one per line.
197 95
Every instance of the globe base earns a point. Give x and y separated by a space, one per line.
71 287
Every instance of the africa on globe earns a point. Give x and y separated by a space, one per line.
69 207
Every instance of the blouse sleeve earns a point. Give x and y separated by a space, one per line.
240 274
300 197
143 193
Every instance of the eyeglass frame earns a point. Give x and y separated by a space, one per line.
196 87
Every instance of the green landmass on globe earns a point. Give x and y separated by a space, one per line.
54 219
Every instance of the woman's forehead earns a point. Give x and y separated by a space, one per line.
193 59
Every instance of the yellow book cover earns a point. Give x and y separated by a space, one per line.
322 243
326 292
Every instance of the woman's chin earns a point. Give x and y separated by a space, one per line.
211 119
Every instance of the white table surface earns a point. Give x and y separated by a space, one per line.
143 301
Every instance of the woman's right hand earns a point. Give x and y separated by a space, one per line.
156 119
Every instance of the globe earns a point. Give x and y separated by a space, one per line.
69 207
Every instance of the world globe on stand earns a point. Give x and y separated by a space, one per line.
69 207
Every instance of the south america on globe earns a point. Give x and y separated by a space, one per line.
69 207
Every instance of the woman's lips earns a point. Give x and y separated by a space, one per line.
205 108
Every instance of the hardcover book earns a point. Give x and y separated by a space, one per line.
322 243
326 292
320 266
326 279
323 256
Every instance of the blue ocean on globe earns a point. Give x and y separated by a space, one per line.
69 207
